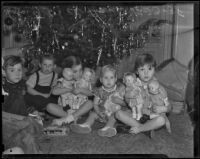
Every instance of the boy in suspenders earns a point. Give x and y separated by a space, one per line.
40 83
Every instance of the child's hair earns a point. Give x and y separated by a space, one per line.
128 74
12 60
48 57
71 61
108 68
143 59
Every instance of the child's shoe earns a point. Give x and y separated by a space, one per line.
107 132
80 128
64 120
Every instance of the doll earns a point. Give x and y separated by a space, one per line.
66 82
111 107
158 97
86 83
133 94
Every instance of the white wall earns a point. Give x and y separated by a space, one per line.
184 42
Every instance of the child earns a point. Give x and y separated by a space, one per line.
158 97
66 82
55 109
144 68
108 79
133 94
14 87
39 84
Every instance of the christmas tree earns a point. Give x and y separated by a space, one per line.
99 35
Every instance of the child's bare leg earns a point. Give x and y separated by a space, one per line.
152 124
153 115
108 130
85 127
139 111
126 118
167 124
134 112
56 110
86 107
73 117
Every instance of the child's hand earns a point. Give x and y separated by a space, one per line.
115 100
159 109
46 95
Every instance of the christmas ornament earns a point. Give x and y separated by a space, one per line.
8 21
66 44
75 37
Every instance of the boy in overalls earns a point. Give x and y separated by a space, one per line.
39 84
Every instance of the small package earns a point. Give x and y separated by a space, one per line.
56 130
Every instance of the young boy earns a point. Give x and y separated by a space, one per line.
14 87
39 84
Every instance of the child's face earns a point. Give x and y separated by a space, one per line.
153 88
68 74
129 81
14 73
77 71
47 66
108 80
146 72
87 75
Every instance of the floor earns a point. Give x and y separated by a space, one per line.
178 144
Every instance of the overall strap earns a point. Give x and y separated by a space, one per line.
37 77
52 78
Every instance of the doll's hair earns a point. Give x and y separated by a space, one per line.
86 69
108 68
128 74
12 60
143 59
47 57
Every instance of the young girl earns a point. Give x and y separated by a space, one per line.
108 79
75 64
14 87
144 68
39 84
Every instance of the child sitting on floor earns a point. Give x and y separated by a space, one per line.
14 87
145 69
75 64
158 97
39 84
133 94
108 79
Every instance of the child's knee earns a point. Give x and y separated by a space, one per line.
49 107
160 120
118 115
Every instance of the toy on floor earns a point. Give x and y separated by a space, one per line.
56 130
